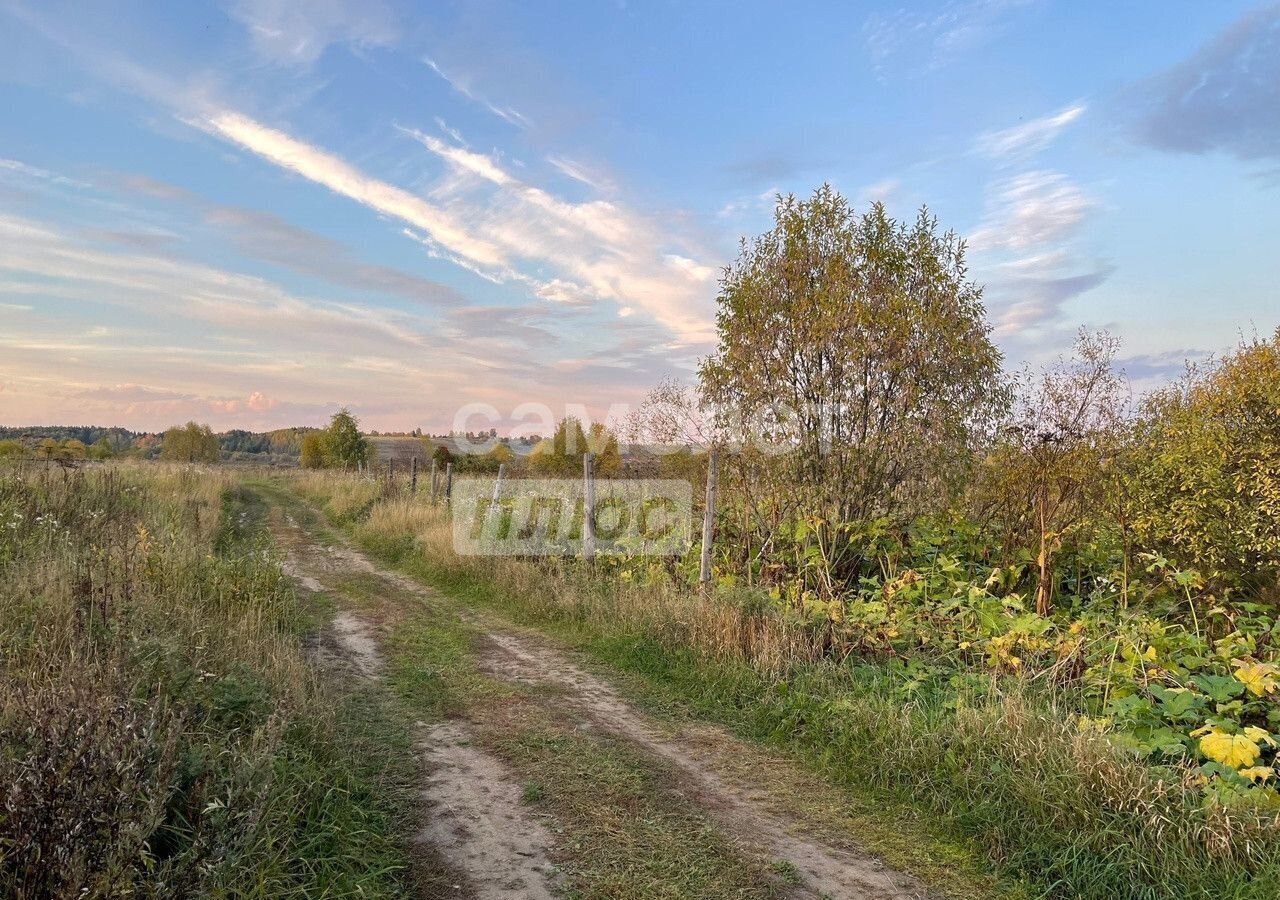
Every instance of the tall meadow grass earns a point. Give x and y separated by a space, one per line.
161 732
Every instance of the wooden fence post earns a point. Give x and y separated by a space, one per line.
434 479
497 486
588 507
413 476
448 483
708 521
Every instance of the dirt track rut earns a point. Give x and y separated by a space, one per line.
478 820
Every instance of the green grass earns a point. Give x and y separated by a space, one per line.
627 831
952 781
677 686
955 785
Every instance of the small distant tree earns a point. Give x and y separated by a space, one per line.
345 446
562 455
101 449
311 454
603 444
190 443
10 449
442 456
500 454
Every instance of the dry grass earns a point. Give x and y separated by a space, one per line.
999 758
161 731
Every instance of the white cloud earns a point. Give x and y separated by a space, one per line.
579 172
342 178
604 249
1029 138
461 158
462 85
1031 209
692 268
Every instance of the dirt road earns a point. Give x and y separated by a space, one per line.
474 801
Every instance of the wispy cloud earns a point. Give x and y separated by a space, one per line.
462 84
343 178
924 41
604 248
1036 296
241 350
1026 242
580 172
267 237
28 171
1225 97
298 33
601 247
1028 138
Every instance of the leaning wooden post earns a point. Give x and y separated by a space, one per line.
448 483
434 480
588 507
708 522
413 476
497 485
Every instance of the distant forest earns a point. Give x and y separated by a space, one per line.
280 446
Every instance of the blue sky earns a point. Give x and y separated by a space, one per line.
253 212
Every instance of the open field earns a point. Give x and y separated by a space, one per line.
243 683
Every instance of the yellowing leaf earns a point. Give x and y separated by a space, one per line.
1254 733
1258 773
1259 678
1234 750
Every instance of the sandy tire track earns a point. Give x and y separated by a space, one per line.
474 815
825 870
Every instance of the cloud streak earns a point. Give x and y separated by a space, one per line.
1029 138
463 86
599 247
929 41
343 178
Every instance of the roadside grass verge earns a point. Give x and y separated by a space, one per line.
161 731
624 826
1055 809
